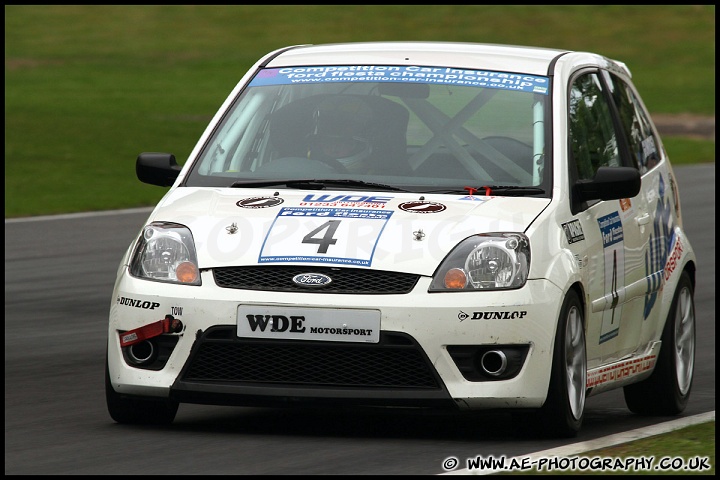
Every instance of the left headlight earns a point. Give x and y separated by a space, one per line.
488 261
166 253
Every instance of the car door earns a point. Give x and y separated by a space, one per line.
615 232
658 194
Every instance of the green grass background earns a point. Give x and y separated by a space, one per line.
691 443
87 88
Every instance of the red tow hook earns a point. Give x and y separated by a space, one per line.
169 324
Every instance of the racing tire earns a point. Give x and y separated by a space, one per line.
667 390
138 410
561 416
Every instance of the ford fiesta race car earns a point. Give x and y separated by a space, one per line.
446 225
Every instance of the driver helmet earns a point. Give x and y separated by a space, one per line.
340 126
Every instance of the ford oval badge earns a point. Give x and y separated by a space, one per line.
312 279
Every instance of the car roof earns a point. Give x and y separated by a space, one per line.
512 58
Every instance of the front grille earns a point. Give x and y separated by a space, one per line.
397 361
344 280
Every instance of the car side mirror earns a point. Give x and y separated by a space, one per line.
157 168
610 183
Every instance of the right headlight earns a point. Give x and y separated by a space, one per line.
166 253
487 261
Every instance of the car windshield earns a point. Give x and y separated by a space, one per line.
423 129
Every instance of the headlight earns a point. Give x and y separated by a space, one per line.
166 253
488 261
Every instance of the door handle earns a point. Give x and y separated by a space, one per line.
643 219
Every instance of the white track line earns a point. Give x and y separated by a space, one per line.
66 216
603 442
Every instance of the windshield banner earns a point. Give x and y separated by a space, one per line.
388 73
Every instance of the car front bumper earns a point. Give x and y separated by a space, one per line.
428 354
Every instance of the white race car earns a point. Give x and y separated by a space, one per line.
440 225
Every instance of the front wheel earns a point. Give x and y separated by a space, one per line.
667 390
137 410
564 409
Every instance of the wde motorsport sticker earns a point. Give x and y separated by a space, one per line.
325 324
260 202
573 231
345 236
402 74
613 239
422 207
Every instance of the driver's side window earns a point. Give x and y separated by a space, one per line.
593 141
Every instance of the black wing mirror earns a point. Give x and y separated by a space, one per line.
157 168
610 183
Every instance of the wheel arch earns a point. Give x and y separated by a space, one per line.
580 290
690 268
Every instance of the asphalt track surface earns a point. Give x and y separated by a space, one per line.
59 274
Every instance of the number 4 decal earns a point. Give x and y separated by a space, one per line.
613 239
326 240
302 234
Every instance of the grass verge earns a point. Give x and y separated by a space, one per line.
87 88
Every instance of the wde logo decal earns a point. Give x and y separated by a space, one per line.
355 201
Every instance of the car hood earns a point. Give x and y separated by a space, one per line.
385 231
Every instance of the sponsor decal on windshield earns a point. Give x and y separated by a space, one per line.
402 74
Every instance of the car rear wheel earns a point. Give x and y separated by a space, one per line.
667 390
137 410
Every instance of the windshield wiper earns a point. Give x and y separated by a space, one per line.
265 183
507 190
314 184
360 183
488 190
